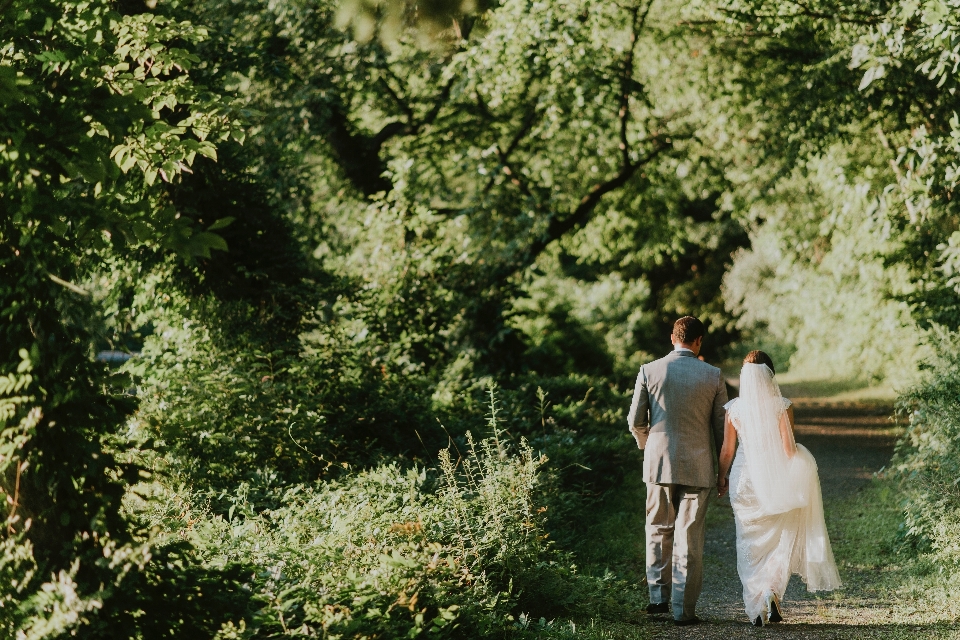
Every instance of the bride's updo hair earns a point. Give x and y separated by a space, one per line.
759 357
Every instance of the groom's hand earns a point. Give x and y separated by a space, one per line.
722 485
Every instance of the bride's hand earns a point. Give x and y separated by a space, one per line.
722 485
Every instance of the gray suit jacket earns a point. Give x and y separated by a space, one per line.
677 407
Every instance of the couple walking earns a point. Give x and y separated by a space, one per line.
679 408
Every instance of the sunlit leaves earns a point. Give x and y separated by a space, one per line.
156 75
387 19
128 115
12 388
77 81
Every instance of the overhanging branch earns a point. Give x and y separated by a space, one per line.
559 227
584 211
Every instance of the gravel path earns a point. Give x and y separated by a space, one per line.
850 443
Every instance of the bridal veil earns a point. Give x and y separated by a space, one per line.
770 453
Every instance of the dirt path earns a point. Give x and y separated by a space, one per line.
850 442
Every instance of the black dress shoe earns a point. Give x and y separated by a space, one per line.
775 615
658 607
688 622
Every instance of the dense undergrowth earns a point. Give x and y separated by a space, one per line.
461 545
927 460
459 550
352 503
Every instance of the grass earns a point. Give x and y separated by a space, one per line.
827 390
589 630
887 586
614 541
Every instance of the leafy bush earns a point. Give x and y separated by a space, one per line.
113 580
223 403
928 456
457 551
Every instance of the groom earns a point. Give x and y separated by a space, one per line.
677 411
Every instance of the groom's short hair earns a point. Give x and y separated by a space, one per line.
687 329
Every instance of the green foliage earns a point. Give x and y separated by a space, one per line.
877 80
444 250
914 47
136 580
819 277
122 98
220 409
533 198
79 81
927 456
452 551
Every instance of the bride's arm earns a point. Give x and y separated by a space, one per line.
787 432
726 455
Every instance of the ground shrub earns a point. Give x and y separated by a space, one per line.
222 406
459 550
928 457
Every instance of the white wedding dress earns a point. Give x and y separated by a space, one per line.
776 499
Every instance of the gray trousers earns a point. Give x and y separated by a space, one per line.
676 516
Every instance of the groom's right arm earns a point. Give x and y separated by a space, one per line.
638 419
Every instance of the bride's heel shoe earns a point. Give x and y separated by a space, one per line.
773 606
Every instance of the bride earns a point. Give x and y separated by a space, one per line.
775 494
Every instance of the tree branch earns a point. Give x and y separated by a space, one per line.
526 124
584 211
407 111
628 167
503 155
625 81
442 98
358 153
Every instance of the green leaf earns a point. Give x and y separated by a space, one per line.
142 231
203 242
208 149
221 223
127 163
